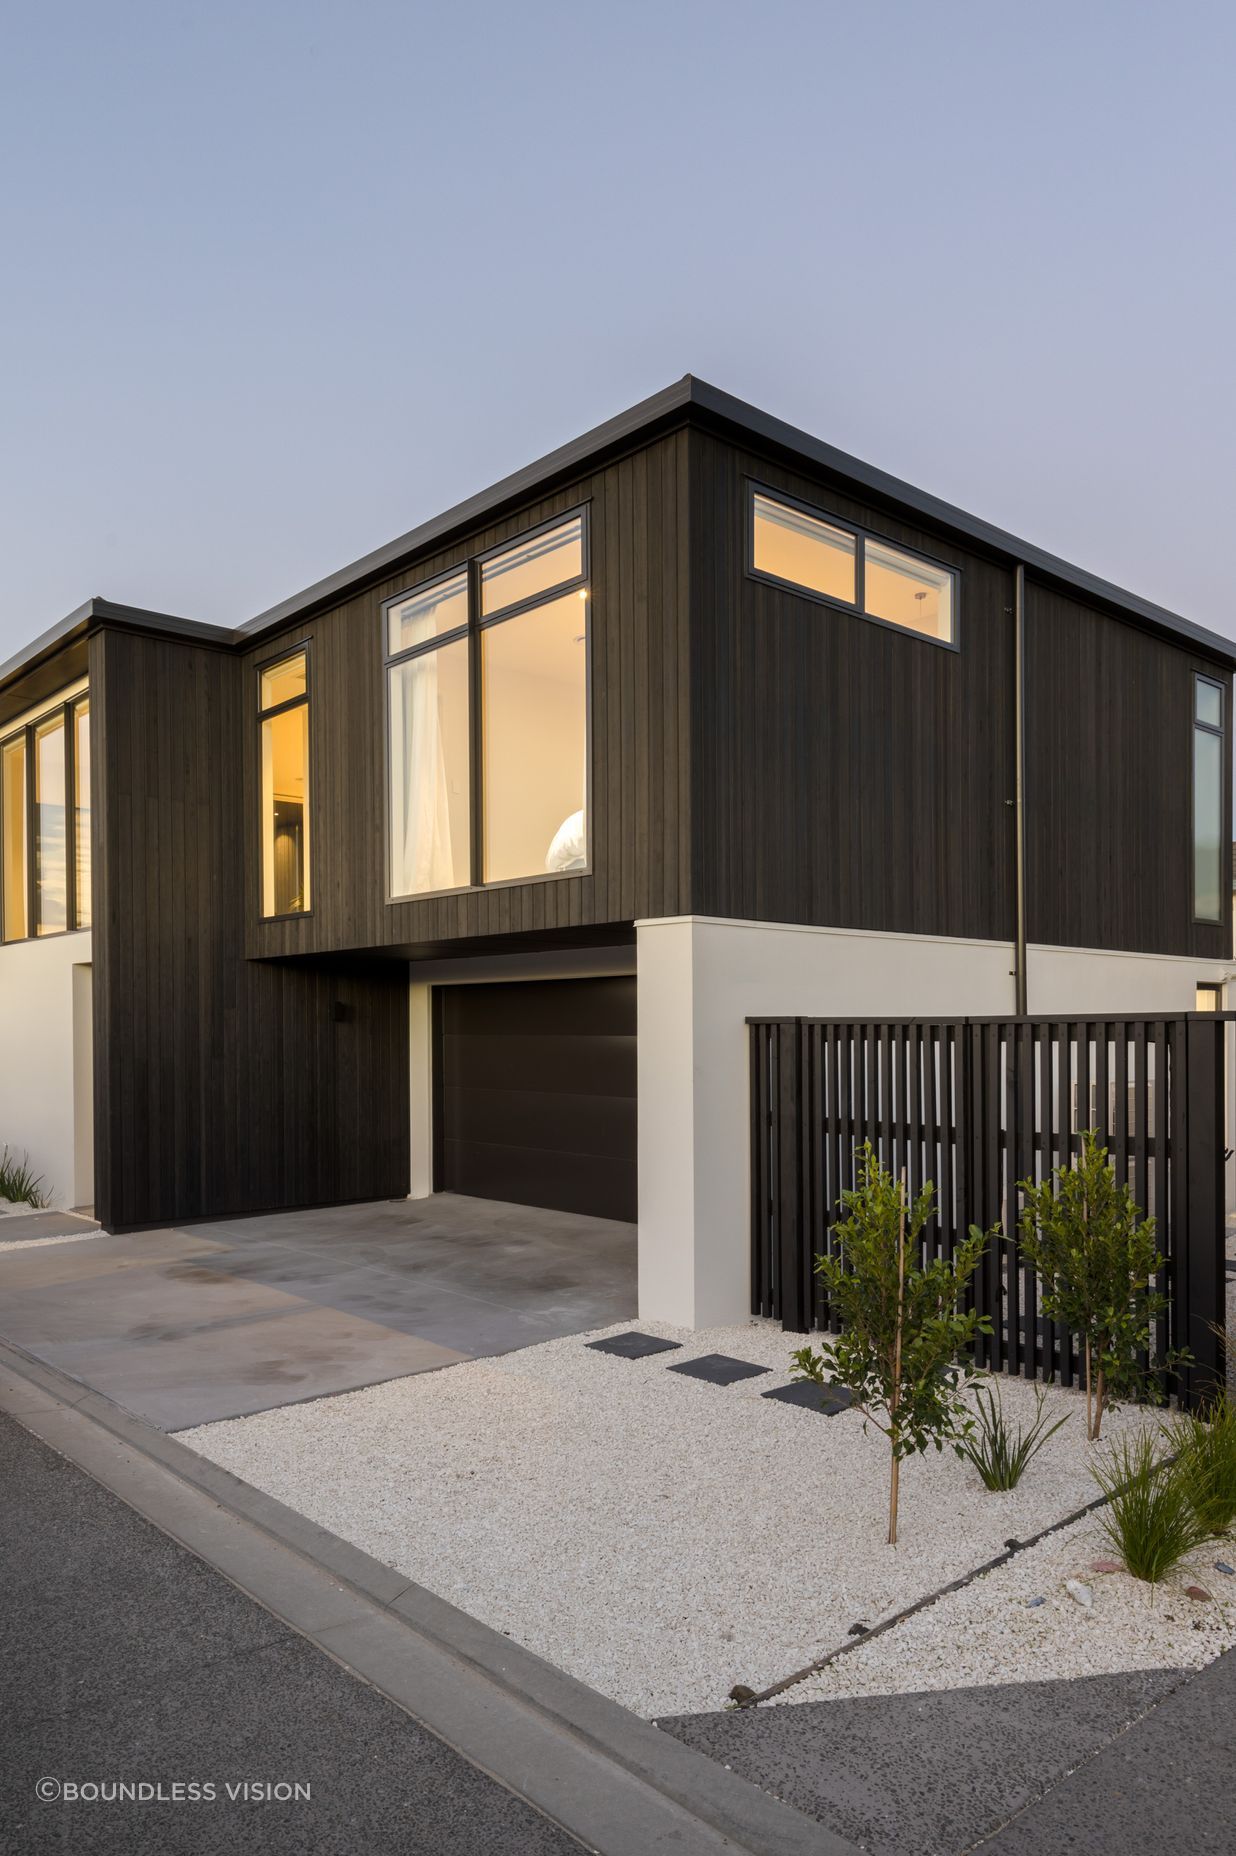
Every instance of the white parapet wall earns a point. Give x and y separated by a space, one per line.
700 978
46 1084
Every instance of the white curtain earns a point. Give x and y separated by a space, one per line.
421 785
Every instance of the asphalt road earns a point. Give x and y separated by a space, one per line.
124 1658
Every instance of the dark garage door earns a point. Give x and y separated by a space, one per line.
535 1094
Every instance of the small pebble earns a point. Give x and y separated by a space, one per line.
1198 1592
858 1630
1081 1594
1032 1602
1106 1566
740 1692
1222 1566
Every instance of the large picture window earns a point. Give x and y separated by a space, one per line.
45 823
844 566
1208 762
284 725
487 695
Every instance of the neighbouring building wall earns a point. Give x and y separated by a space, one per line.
222 1084
41 1060
699 979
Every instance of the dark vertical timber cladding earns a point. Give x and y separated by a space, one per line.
640 720
1109 836
845 773
221 1084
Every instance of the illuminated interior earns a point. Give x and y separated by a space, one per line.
81 810
285 790
13 838
430 614
429 771
906 591
791 545
532 567
534 686
51 870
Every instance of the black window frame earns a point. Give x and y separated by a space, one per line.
861 535
473 628
1219 731
302 648
65 711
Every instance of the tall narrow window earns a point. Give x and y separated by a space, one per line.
284 720
430 782
81 812
534 710
51 849
1208 758
14 898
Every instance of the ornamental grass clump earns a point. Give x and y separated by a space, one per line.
1150 1520
19 1183
1096 1258
998 1452
1205 1453
902 1349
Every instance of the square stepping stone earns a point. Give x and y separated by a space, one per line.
719 1369
829 1399
634 1346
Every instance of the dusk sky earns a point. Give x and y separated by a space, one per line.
281 281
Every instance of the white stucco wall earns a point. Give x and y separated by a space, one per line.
43 1102
698 981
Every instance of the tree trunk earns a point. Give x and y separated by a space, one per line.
1089 1400
894 1481
1100 1399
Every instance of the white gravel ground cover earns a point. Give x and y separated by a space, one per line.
659 1537
991 1632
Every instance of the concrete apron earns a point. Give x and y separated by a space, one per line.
605 1776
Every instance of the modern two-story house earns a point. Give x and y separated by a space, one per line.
462 869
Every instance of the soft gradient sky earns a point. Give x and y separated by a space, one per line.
280 281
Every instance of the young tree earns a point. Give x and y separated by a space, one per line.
900 1349
1096 1258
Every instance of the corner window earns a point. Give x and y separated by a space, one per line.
45 823
81 812
51 860
844 565
13 838
487 702
1208 811
284 727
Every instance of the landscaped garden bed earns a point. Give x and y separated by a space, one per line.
665 1538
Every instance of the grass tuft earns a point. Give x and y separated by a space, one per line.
19 1183
1206 1456
1150 1518
1000 1453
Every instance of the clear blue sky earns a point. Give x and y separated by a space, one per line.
280 281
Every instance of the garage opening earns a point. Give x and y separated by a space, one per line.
535 1094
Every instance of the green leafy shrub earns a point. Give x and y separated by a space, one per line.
19 1184
1150 1518
1206 1462
1096 1258
998 1452
902 1331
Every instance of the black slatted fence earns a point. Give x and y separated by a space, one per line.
975 1105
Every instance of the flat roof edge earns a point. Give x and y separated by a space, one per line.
98 611
632 423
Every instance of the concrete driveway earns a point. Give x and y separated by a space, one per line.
184 1326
